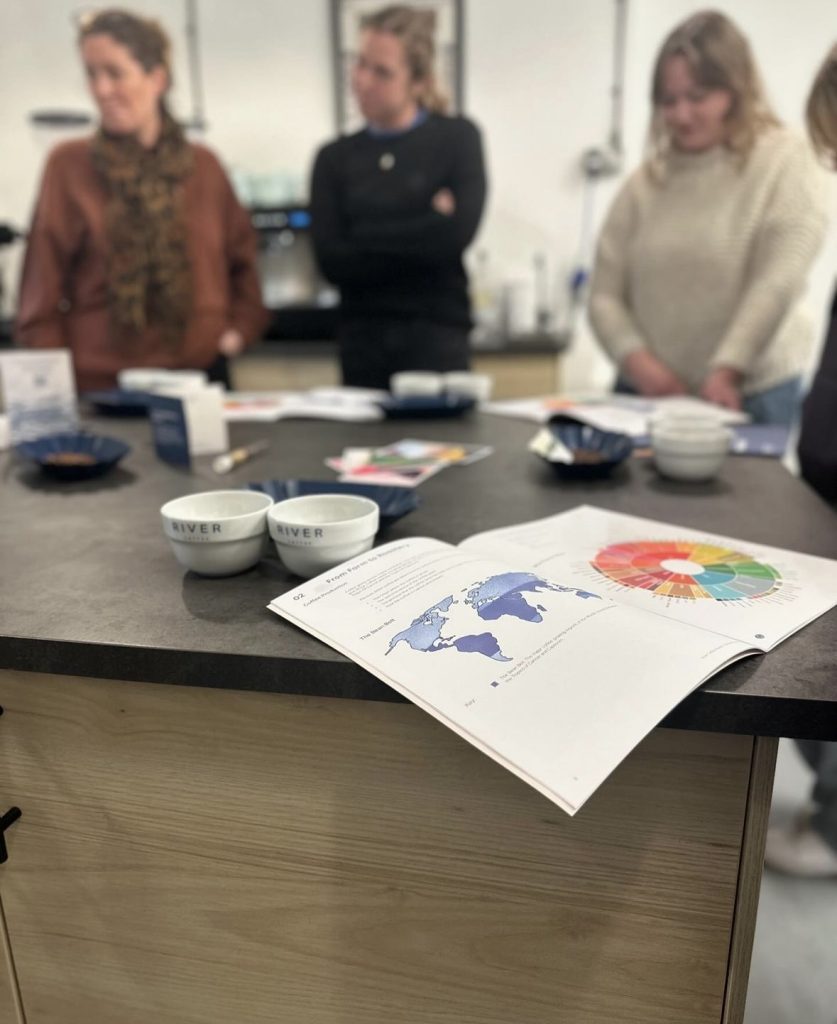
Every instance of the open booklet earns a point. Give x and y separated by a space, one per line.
624 414
555 646
351 405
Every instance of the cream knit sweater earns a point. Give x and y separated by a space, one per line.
706 267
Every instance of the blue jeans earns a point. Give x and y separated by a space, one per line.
777 406
822 757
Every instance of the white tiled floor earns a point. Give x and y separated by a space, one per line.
793 979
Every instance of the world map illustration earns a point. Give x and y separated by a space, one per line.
507 594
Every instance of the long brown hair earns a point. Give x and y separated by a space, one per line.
821 109
416 29
144 38
719 57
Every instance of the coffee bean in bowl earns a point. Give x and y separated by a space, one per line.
74 455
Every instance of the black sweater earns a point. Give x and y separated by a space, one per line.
375 232
818 435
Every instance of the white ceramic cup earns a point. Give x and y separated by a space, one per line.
416 384
690 455
140 378
710 438
318 531
154 379
469 385
217 533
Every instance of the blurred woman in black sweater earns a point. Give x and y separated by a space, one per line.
818 437
395 205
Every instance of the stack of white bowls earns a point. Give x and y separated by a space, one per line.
457 383
416 384
689 446
155 379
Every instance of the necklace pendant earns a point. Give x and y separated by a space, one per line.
387 162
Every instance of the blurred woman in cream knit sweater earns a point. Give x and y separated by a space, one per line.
703 258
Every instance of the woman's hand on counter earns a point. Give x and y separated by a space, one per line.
444 202
231 342
650 375
723 387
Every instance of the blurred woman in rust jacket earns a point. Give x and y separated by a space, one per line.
139 253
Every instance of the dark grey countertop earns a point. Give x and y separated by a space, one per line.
91 588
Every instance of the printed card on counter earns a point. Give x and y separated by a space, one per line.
188 424
405 463
555 646
403 475
39 393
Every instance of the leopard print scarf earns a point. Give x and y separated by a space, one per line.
149 282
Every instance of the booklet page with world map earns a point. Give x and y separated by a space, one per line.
555 646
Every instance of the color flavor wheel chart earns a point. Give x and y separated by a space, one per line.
687 569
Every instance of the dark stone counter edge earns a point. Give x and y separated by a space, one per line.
704 710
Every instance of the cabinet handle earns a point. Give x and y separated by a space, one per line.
9 818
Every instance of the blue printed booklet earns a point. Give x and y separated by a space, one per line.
555 646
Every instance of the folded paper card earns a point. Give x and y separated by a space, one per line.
39 393
188 423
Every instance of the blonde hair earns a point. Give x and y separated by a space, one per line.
144 38
416 28
821 110
719 57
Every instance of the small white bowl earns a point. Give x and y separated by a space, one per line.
690 458
689 417
217 533
155 379
469 385
691 440
140 378
318 531
416 384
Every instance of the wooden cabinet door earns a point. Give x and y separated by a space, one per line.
198 856
9 1004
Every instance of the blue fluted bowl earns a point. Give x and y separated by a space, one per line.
117 402
74 456
426 407
393 502
596 453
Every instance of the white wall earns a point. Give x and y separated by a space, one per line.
537 81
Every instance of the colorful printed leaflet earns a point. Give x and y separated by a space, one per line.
404 463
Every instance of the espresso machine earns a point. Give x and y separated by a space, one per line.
303 303
8 236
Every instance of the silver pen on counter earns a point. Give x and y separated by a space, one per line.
236 456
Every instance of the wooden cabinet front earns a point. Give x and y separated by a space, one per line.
515 375
198 856
9 1004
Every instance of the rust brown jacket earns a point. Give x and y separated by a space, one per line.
63 295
